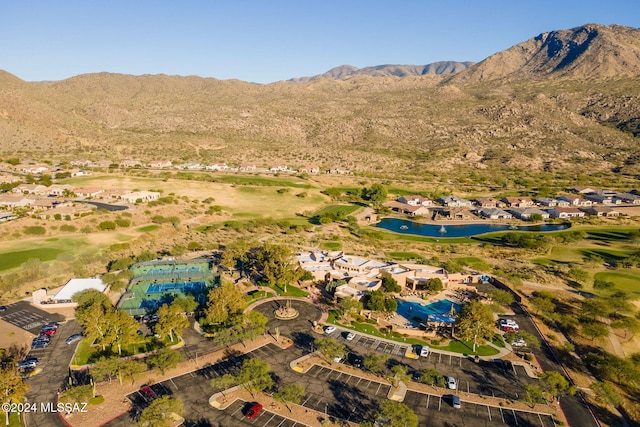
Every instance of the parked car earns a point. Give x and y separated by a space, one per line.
39 344
451 383
355 360
519 343
147 392
424 351
73 338
253 411
455 401
508 325
28 363
350 336
52 325
329 329
48 332
3 308
45 338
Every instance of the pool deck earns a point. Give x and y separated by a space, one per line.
399 322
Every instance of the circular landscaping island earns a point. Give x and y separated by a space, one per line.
286 312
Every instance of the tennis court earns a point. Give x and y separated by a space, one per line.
158 282
161 288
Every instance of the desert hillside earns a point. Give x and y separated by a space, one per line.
565 102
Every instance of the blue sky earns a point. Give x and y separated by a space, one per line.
269 40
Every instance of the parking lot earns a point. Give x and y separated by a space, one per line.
439 411
25 316
487 378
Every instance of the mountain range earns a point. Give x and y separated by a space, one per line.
563 102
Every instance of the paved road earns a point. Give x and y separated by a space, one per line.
54 361
576 411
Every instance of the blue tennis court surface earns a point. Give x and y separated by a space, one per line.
161 288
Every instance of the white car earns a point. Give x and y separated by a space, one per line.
350 336
424 351
519 343
329 329
451 383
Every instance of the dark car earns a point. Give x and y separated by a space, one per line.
355 360
28 363
3 307
39 344
45 338
52 325
73 338
253 411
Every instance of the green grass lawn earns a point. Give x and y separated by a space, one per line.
86 353
257 295
15 420
17 258
292 291
464 347
338 210
148 228
331 246
627 280
404 256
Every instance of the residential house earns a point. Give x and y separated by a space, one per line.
518 202
604 198
457 214
566 213
81 163
191 166
486 202
313 170
130 163
583 190
30 189
45 204
549 202
576 200
603 211
414 210
415 200
526 213
5 178
217 167
493 213
160 164
454 202
249 167
101 164
114 193
88 191
58 190
14 201
144 196
279 168
33 169
628 198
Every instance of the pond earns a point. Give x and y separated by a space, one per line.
460 230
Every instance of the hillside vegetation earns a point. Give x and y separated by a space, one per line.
541 106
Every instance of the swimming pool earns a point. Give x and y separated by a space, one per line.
410 309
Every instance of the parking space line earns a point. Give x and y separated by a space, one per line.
236 411
428 396
174 384
489 412
514 416
282 422
439 357
306 400
540 418
359 379
269 420
339 375
502 415
440 403
380 385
